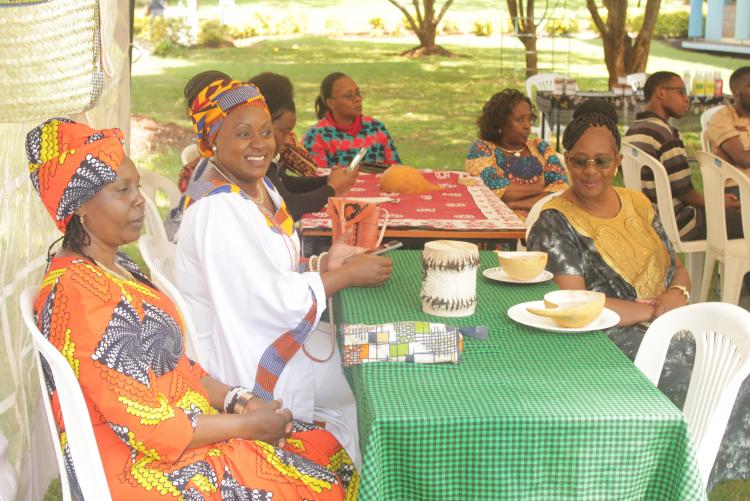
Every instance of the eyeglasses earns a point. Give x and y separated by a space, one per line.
350 96
680 90
601 163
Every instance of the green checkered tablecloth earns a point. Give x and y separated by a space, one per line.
527 414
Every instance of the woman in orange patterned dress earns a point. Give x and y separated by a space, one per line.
153 410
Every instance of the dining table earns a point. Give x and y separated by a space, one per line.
462 208
526 413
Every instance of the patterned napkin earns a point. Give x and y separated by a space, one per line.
410 341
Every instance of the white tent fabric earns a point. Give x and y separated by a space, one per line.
26 458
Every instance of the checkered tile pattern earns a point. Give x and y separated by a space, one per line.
527 414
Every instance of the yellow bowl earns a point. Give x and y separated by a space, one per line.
571 309
522 265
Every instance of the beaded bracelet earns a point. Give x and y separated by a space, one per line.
320 260
314 263
242 399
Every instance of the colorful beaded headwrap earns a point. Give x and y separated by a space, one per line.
70 162
214 103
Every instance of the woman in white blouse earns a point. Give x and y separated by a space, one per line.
256 303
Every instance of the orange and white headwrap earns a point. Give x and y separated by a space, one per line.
70 162
214 103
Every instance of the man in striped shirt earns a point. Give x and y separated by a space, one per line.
667 98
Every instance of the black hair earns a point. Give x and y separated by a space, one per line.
657 80
326 89
592 113
199 82
496 112
76 238
737 75
277 91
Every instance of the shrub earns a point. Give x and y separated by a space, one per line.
562 27
166 34
668 24
213 33
377 23
482 28
450 28
291 25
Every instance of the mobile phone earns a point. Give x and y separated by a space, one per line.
357 159
388 246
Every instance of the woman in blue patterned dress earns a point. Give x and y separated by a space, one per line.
519 169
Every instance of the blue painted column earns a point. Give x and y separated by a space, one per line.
714 19
695 27
742 23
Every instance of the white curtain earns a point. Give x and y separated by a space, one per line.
27 461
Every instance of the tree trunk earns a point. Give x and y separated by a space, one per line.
622 55
423 22
525 24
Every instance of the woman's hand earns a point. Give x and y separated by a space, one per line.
368 271
339 253
255 404
268 425
669 300
341 179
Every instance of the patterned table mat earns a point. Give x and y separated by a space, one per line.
455 207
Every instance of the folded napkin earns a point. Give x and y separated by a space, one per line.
410 341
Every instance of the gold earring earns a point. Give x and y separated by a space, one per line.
83 220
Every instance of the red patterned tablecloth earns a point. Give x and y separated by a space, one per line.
455 207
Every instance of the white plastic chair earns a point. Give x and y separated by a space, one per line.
705 118
542 81
533 215
633 160
151 184
636 80
78 429
189 152
158 254
706 115
735 253
722 362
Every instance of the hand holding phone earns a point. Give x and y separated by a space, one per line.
357 158
381 249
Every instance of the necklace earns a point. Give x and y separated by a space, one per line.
122 274
515 153
288 242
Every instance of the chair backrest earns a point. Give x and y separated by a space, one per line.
631 168
81 441
706 115
634 159
705 141
189 152
541 81
636 80
536 209
722 362
158 255
715 173
151 184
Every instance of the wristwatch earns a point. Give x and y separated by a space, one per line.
684 290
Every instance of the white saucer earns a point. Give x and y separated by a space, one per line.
606 319
500 275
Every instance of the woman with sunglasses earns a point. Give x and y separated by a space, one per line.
610 240
519 169
342 130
